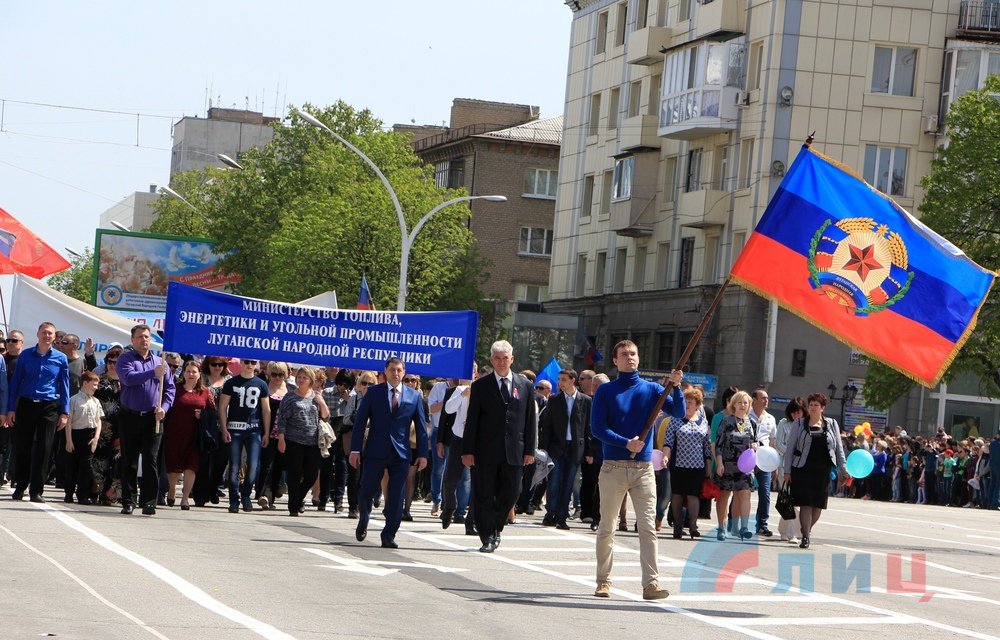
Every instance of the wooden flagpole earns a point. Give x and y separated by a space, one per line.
684 358
159 401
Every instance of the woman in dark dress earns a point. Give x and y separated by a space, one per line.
814 448
737 433
106 457
180 439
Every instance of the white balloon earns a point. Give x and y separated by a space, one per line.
657 459
767 459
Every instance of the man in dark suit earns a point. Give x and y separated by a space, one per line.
501 433
563 430
387 411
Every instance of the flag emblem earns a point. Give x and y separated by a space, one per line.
859 264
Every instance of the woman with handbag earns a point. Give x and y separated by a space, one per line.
686 453
180 438
298 424
815 450
788 530
737 433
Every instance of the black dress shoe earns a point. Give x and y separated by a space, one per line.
127 509
562 525
361 534
470 530
447 516
161 501
459 520
149 510
37 498
549 520
496 541
17 495
406 517
804 544
764 531
389 544
86 502
171 502
488 547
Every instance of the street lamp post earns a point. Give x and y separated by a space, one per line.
407 235
173 194
847 395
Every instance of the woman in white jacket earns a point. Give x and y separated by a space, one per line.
796 408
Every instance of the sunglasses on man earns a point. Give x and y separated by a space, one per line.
249 362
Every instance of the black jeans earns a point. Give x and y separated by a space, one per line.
79 476
34 428
302 464
139 437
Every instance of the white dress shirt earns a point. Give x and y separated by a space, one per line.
569 415
399 395
767 428
459 405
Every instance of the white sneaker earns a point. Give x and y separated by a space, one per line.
793 540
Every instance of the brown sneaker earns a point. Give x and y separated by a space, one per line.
654 592
603 590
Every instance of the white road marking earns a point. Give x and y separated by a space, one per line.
907 535
936 565
374 567
171 579
87 587
821 622
882 516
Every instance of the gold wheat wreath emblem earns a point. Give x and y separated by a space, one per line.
859 264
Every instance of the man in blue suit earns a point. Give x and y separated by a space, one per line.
387 412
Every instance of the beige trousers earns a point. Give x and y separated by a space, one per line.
618 478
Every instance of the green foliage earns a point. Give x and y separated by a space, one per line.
962 203
307 215
76 281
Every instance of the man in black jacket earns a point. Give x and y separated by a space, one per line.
501 433
564 430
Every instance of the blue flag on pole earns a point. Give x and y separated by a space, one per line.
550 372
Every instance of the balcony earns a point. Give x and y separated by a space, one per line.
720 19
703 208
979 20
634 215
645 45
637 132
699 112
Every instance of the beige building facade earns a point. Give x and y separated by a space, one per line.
680 119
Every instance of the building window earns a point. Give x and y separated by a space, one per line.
602 31
692 180
634 98
621 255
606 193
654 94
893 70
746 164
595 114
456 174
639 269
621 20
665 350
966 70
686 263
683 340
441 174
641 14
541 183
599 271
711 258
669 178
581 275
587 206
721 167
530 292
885 169
739 239
663 265
622 180
685 9
694 78
755 66
535 242
614 103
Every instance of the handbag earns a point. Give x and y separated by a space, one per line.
784 505
709 490
207 434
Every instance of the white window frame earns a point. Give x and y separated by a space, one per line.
621 182
541 183
871 173
441 174
530 234
890 82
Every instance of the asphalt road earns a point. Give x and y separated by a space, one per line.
89 572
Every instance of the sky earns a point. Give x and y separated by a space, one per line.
60 168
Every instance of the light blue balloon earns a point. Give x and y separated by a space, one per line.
860 463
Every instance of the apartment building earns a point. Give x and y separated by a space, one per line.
680 119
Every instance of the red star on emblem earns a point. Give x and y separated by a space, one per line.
862 261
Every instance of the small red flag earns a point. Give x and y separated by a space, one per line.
21 251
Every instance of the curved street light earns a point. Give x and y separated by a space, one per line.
173 194
119 226
407 235
229 162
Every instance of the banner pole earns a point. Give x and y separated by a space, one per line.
684 358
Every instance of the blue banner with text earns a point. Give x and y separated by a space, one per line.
431 343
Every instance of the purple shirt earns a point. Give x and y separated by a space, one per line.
140 387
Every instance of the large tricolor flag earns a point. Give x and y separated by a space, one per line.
845 257
21 251
365 296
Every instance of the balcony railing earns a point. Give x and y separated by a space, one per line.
979 19
697 112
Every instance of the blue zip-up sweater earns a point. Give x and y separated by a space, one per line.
620 410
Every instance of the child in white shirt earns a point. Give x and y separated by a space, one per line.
85 414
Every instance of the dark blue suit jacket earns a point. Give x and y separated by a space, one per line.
389 434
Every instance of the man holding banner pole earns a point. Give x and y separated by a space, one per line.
143 377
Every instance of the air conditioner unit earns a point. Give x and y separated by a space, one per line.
742 99
930 124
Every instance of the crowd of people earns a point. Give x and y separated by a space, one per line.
137 429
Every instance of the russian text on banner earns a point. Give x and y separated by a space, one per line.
845 257
433 343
